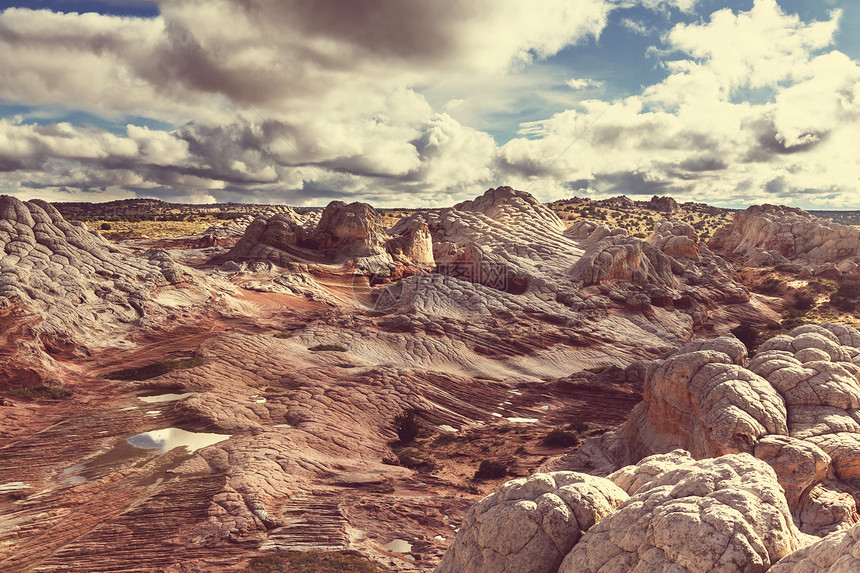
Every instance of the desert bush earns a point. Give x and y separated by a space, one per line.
788 268
748 335
770 285
311 562
327 348
157 369
793 318
414 459
578 426
106 227
803 300
444 439
40 392
491 469
822 286
845 297
407 426
561 438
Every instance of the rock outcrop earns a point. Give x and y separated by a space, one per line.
794 406
724 514
765 235
343 234
530 524
837 553
664 204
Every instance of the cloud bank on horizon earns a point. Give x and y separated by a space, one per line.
423 104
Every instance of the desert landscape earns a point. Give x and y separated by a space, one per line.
385 286
482 388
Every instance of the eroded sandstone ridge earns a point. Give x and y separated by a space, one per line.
765 235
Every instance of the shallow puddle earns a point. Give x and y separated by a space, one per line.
169 438
398 546
157 399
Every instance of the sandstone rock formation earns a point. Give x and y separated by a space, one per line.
793 405
724 514
530 524
837 553
344 233
764 235
664 204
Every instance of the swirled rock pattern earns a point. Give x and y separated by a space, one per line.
724 514
794 405
530 524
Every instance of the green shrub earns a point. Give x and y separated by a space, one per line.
327 348
560 438
491 469
407 427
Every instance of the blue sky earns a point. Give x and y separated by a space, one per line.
730 103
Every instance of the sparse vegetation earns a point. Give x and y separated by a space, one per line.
846 296
771 286
491 469
312 562
415 459
40 392
561 438
803 300
157 369
788 268
328 348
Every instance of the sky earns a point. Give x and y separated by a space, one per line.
403 103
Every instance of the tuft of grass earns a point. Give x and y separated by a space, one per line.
312 562
327 348
561 438
285 334
40 392
156 369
